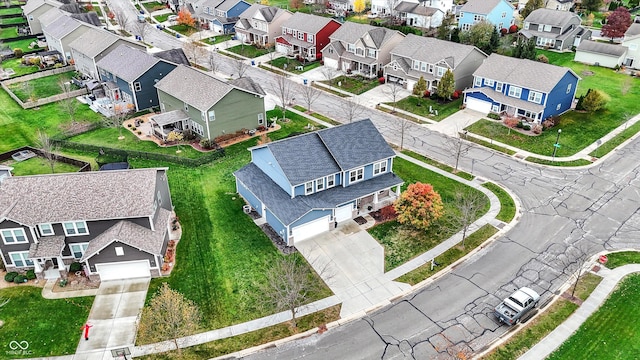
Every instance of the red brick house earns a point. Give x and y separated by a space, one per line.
305 36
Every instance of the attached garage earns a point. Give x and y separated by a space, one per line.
332 63
344 213
282 48
124 270
311 229
478 105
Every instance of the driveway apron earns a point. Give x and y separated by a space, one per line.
113 318
351 263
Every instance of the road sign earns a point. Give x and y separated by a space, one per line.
556 145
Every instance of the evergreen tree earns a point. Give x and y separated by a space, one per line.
455 35
530 6
445 29
420 87
592 5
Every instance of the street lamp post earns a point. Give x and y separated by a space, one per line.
556 145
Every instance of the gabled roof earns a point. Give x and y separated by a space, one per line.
307 22
602 48
226 5
351 32
415 8
248 84
32 5
632 31
50 16
196 88
551 17
47 246
62 27
528 74
413 47
95 195
93 42
127 63
268 12
175 56
90 18
480 6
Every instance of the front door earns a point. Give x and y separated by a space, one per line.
55 262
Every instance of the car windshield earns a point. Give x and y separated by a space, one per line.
516 301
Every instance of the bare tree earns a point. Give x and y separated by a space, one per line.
48 148
329 73
29 90
273 54
403 127
121 18
69 104
194 51
574 262
213 64
457 147
120 113
141 28
281 86
241 67
351 108
309 95
471 205
393 90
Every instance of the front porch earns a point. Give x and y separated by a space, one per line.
377 200
46 256
353 67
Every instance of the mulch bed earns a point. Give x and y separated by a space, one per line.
573 299
75 282
277 240
360 220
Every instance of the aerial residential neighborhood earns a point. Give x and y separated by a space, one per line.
333 179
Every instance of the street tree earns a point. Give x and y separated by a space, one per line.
419 206
530 6
447 85
213 64
403 127
283 89
617 23
48 147
329 73
351 109
359 6
169 316
194 50
471 205
574 262
594 100
69 104
309 95
393 90
456 147
241 67
420 87
121 18
185 18
591 5
141 28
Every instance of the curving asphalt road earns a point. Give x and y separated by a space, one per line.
563 211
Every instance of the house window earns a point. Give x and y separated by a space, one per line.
320 184
568 88
504 14
289 31
21 259
371 53
430 69
535 97
540 27
212 115
310 38
284 31
137 86
77 250
119 251
260 119
331 181
440 71
478 81
46 229
186 107
13 236
301 36
547 28
416 64
308 188
351 48
380 168
423 66
526 25
356 175
515 91
558 107
75 228
294 33
498 86
477 18
495 108
360 51
489 82
197 128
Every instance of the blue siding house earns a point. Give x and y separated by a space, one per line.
497 12
131 74
220 15
305 185
523 88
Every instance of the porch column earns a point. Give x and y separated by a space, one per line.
398 190
36 266
375 198
62 268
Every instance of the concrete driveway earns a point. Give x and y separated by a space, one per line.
351 263
382 93
113 316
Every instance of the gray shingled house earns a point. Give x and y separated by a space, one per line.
601 54
260 24
307 184
554 29
193 100
115 223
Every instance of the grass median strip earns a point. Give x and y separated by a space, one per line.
439 165
578 162
507 204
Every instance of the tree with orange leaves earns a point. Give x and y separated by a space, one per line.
419 206
185 18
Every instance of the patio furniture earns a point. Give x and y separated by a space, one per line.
23 155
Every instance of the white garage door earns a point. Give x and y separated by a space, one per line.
281 48
311 229
478 105
124 270
332 63
344 213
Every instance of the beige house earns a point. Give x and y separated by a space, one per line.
260 24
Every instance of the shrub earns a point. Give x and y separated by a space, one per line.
594 100
543 59
63 283
188 135
537 129
134 128
513 29
19 279
456 94
206 144
511 122
504 31
129 125
88 7
526 126
519 125
381 80
494 116
139 132
17 52
388 213
31 274
10 276
427 93
547 124
75 266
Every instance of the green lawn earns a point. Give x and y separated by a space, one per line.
8 33
437 164
153 6
21 44
248 51
13 20
420 106
292 65
625 135
612 331
10 11
18 126
353 84
507 204
17 66
42 87
162 17
51 327
38 165
403 243
618 259
182 29
578 129
218 39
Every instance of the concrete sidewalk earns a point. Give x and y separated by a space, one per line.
551 342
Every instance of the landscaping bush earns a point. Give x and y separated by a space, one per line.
526 126
427 93
512 122
494 116
456 94
537 129
129 125
139 132
513 29
504 31
31 274
381 80
543 59
75 266
519 125
10 276
17 52
206 144
19 279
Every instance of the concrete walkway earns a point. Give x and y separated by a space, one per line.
551 342
455 123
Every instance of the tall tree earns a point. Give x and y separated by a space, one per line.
447 85
419 206
456 147
282 88
48 148
594 100
574 262
470 205
525 49
169 316
617 23
530 6
121 18
393 90
351 108
403 127
194 51
141 28
309 95
358 6
68 104
479 35
591 5
185 18
241 67
420 87
446 27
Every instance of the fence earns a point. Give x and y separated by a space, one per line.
84 166
43 101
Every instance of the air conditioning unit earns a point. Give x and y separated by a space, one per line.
246 209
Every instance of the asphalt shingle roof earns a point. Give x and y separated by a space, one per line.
194 87
248 84
93 42
86 196
551 17
432 50
127 63
480 6
521 72
633 30
351 32
47 246
268 12
62 27
415 8
307 22
50 16
602 48
176 56
32 5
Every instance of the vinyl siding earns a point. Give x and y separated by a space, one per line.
249 197
237 110
5 249
559 96
278 226
108 255
147 97
264 160
311 216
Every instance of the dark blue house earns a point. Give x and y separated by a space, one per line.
220 15
305 185
130 75
522 88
